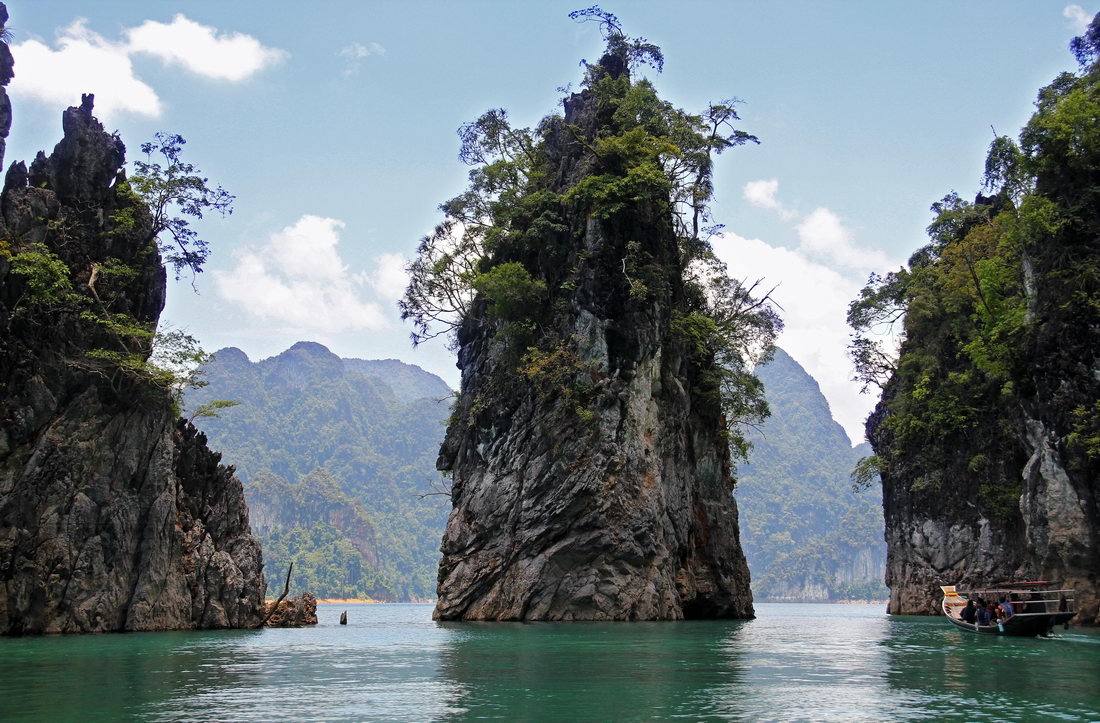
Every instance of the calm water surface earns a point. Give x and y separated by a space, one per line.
794 662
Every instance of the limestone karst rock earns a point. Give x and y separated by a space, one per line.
988 430
595 484
114 514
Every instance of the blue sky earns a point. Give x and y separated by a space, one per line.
334 125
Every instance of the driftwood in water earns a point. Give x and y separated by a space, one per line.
344 618
272 608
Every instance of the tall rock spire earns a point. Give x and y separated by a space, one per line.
591 472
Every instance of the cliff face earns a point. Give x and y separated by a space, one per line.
946 535
989 428
114 515
594 484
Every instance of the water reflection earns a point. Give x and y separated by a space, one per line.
589 670
794 662
988 677
812 662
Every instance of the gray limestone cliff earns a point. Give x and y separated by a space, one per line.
114 514
988 430
593 483
946 536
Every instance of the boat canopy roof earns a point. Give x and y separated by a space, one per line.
1017 590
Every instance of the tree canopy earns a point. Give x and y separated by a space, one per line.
978 303
504 253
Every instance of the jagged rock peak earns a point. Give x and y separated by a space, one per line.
114 513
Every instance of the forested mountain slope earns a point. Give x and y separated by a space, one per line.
335 454
807 535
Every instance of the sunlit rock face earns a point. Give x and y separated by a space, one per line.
622 509
114 515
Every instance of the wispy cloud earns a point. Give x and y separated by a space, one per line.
354 54
764 194
814 297
83 61
298 277
824 235
1077 15
389 277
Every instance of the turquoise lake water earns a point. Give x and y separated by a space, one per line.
794 662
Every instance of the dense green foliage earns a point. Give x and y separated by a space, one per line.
97 296
1006 293
801 522
357 440
509 255
326 534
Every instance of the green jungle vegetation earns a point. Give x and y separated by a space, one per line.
510 255
998 311
337 456
802 524
151 212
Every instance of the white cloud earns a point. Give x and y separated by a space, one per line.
825 236
815 300
84 61
201 49
1077 15
297 277
355 53
762 193
389 277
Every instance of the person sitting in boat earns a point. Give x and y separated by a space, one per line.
1006 611
969 613
985 613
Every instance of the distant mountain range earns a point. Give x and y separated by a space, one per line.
806 534
336 455
338 459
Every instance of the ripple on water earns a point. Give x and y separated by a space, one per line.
794 662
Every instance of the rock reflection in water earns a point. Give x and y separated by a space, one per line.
594 671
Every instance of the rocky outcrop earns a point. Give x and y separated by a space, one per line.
938 536
989 428
594 484
295 612
114 514
1043 523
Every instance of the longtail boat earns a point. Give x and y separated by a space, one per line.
1037 607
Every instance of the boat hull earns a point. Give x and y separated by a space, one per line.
1021 625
